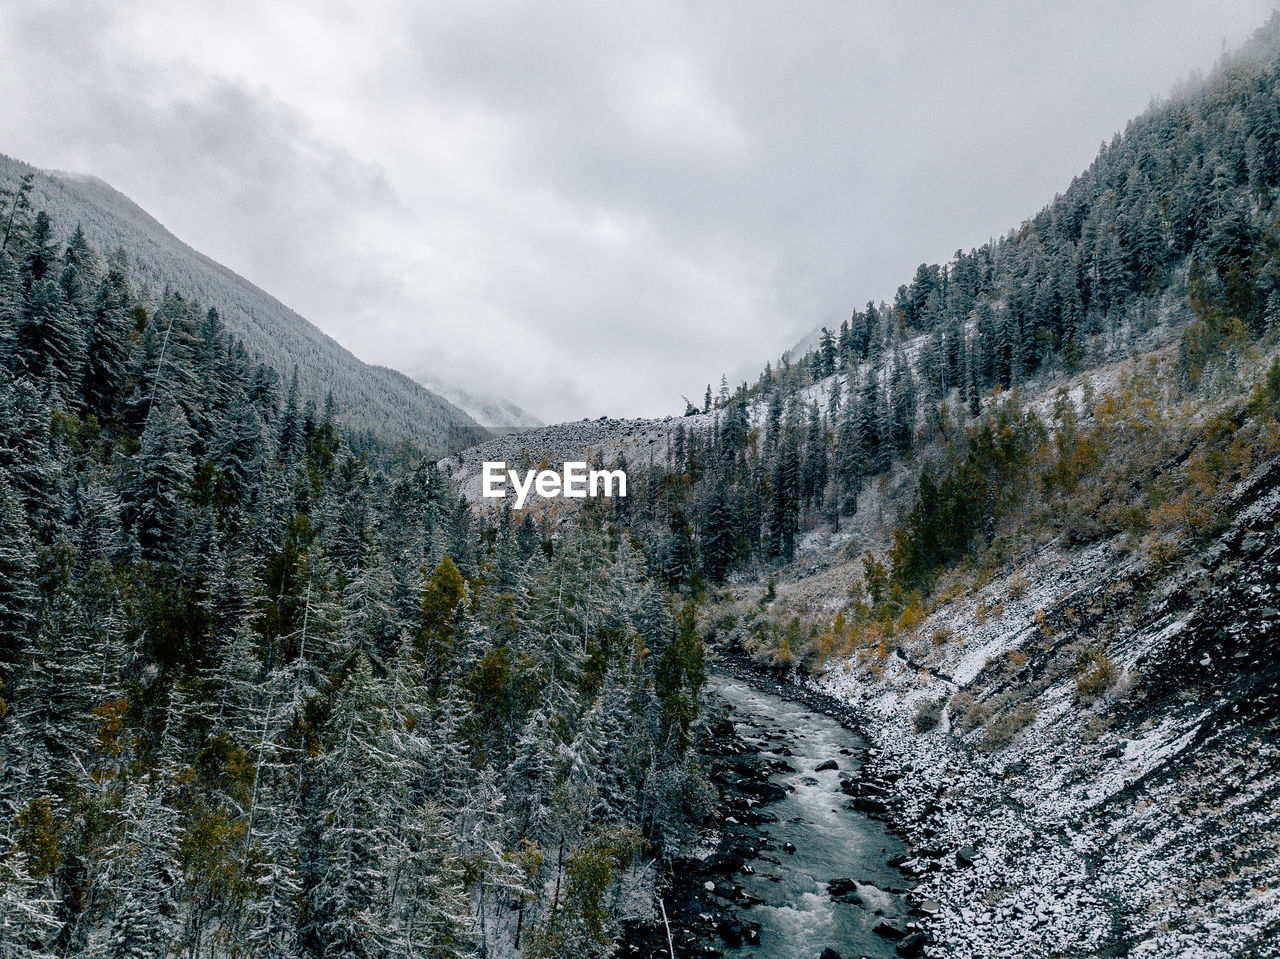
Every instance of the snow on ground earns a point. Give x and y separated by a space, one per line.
1143 823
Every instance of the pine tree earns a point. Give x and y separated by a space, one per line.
79 277
144 923
345 905
902 394
784 513
162 474
18 597
428 914
28 915
533 775
106 341
719 539
814 472
18 201
48 340
678 679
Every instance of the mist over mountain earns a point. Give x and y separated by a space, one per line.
489 411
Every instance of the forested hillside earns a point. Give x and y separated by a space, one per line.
1025 522
1169 236
372 400
269 686
266 691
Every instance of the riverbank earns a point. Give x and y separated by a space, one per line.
798 863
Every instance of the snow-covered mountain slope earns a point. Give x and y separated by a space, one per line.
1103 776
1135 814
374 400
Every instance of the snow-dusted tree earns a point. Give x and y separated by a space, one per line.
28 914
107 345
533 776
274 907
368 619
144 921
17 580
162 472
345 905
428 914
25 453
595 759
48 341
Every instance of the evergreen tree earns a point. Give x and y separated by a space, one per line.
163 471
678 680
107 347
18 597
719 538
28 915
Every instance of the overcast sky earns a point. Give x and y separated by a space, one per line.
588 207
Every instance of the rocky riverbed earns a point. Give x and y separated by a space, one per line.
798 864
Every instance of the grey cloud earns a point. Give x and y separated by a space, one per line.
590 207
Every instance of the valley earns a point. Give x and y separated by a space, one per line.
957 634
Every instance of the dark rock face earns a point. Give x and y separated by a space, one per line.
965 856
830 953
823 767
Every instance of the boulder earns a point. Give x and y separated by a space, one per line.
867 804
829 953
844 890
730 932
888 930
723 862
722 729
823 767
763 790
912 947
965 856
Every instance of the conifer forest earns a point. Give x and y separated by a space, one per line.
275 681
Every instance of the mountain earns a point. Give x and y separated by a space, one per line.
1022 525
1021 528
491 412
264 688
376 401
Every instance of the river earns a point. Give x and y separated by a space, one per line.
799 917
